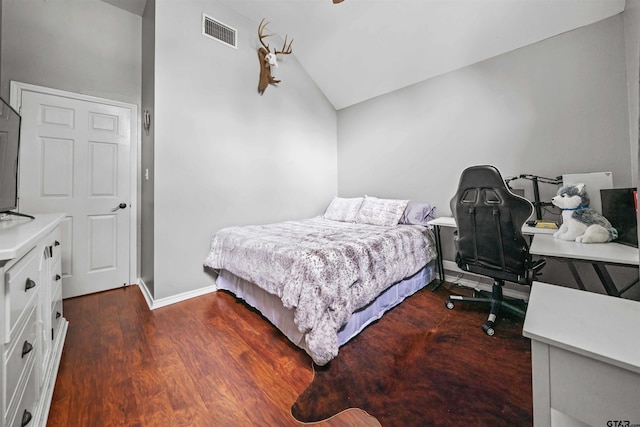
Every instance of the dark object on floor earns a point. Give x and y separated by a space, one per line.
422 365
489 238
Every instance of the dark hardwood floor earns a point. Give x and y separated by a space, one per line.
208 361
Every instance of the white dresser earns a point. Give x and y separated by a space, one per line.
585 354
32 325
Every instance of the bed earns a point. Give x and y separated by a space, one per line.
322 280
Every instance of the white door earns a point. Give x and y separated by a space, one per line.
75 158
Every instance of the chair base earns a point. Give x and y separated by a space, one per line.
495 300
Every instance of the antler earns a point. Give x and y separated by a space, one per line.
267 58
261 28
285 49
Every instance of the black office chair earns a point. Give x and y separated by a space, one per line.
489 237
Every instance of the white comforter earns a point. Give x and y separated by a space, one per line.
323 269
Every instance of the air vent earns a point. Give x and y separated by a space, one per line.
219 31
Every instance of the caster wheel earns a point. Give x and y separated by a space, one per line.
449 304
488 329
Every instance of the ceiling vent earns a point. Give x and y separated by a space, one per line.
219 31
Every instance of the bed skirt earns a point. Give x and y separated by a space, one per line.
271 307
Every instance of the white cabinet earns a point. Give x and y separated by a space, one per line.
585 357
32 325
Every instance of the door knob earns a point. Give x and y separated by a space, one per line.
120 206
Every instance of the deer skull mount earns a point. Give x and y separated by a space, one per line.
268 58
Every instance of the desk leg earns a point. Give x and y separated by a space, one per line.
574 272
629 286
605 278
439 260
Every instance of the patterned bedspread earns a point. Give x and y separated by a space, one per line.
324 270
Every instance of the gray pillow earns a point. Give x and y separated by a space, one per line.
418 214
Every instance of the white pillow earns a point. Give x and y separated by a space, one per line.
385 212
341 209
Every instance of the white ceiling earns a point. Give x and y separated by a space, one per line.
360 49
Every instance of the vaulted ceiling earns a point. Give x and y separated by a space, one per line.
360 49
134 6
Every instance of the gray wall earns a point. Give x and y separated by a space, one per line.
81 46
218 153
632 54
146 211
227 156
224 155
558 106
87 47
632 51
1 43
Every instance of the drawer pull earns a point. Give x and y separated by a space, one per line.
58 314
26 348
29 284
26 418
56 243
58 277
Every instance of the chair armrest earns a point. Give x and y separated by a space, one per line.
537 265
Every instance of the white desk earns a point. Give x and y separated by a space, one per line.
443 221
585 353
599 255
450 222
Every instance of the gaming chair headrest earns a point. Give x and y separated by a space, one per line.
481 176
489 177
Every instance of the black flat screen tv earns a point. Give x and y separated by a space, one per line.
9 148
620 207
9 152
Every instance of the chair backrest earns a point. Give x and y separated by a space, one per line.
489 218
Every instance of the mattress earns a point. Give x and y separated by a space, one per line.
271 307
324 270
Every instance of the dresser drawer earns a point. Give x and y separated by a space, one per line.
26 409
53 242
56 313
21 351
56 280
22 283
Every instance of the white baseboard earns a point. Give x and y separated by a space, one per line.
145 292
455 275
162 302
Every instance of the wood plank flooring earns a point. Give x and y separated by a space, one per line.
208 361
